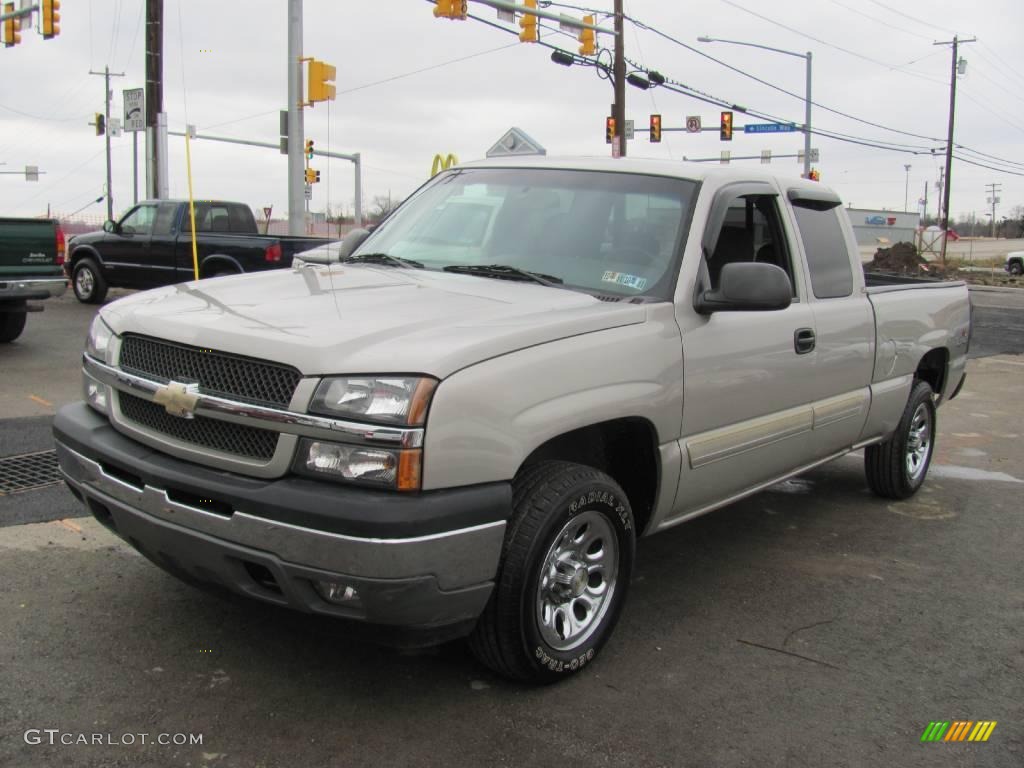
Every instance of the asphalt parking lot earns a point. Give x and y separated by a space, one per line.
810 625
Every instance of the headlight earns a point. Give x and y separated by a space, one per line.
385 399
97 344
395 469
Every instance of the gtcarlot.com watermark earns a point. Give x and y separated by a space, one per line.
55 737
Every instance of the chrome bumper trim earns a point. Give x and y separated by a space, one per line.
274 419
457 559
13 287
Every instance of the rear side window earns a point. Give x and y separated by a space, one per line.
222 217
827 255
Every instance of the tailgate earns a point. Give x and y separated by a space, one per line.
28 247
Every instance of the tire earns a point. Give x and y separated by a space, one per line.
556 598
1016 268
88 283
11 325
897 467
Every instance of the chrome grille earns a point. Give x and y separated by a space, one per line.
217 435
217 373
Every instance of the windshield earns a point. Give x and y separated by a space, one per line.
607 233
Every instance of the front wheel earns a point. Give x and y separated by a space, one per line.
88 283
897 467
565 571
1016 268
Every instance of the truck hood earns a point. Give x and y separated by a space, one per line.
347 319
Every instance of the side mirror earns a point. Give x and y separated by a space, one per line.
110 227
748 286
352 241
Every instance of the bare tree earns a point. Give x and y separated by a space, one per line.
382 206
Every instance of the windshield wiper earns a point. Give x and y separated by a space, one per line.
381 258
504 272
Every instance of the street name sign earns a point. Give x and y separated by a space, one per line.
769 128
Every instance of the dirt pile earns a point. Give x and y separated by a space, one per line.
900 259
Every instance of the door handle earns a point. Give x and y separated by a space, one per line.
803 340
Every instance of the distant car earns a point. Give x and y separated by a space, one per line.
1015 262
151 246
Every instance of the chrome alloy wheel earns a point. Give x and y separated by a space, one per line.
577 581
919 442
85 281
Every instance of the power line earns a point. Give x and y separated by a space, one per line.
828 44
989 167
887 24
911 18
756 79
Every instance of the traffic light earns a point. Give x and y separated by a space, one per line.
528 24
101 124
609 129
316 178
309 149
655 128
588 39
725 128
51 18
321 78
310 175
815 174
451 9
12 27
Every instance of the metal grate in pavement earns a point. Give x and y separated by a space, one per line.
28 471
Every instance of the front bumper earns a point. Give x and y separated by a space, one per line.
32 288
417 561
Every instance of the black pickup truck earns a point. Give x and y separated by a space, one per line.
31 259
151 245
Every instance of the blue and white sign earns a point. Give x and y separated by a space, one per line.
769 128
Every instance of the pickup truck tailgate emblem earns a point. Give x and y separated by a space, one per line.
178 399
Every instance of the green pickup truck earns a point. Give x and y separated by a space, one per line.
31 268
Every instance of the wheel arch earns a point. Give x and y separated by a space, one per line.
84 252
624 448
211 263
933 368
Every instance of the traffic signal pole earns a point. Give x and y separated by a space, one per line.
619 79
296 127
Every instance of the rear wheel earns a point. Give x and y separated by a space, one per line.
1016 268
897 467
11 325
564 574
88 283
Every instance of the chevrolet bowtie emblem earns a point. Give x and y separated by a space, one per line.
178 399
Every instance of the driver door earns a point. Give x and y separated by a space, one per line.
126 251
748 381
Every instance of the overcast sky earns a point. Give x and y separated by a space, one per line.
225 72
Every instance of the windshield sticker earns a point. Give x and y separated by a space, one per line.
621 278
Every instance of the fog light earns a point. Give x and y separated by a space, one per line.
372 466
97 395
338 593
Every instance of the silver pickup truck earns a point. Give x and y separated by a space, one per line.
460 423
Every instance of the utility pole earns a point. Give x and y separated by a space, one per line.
807 122
296 128
924 213
107 74
955 42
156 155
906 188
993 191
619 73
